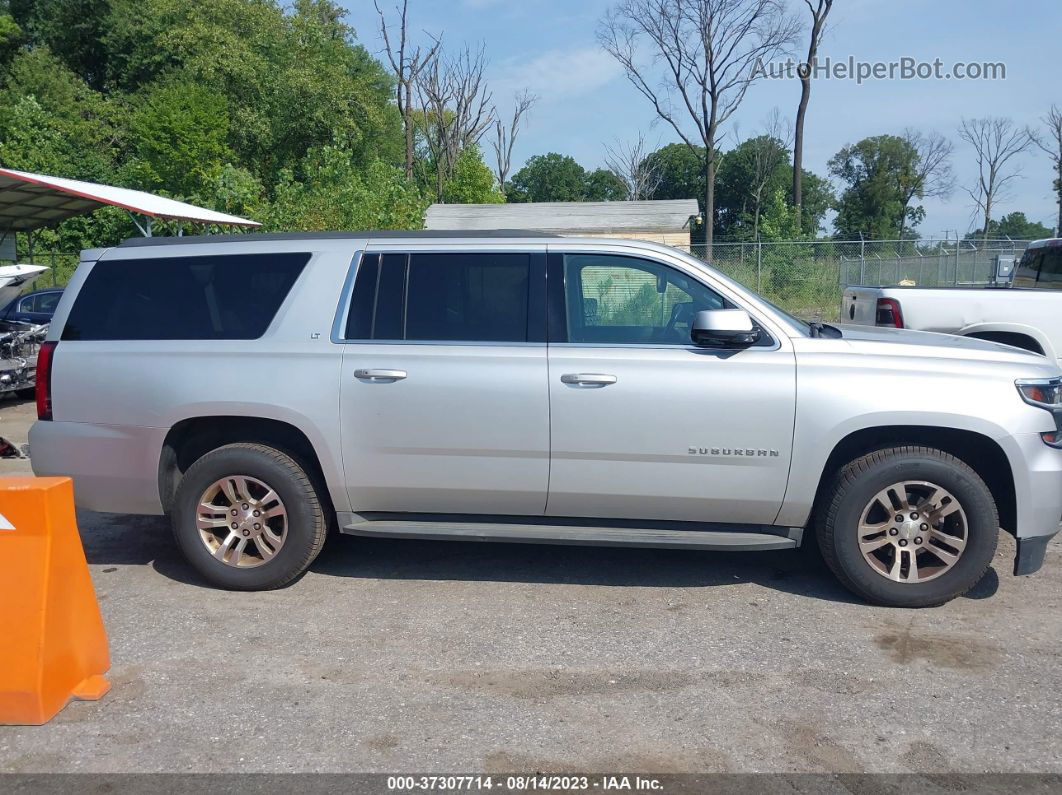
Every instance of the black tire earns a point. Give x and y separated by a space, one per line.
307 524
854 487
29 393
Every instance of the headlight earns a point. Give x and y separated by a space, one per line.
1046 394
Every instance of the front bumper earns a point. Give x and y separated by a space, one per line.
1030 556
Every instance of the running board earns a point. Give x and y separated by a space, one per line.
627 534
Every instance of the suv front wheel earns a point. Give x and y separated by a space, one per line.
248 517
908 527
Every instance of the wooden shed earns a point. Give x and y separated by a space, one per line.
664 221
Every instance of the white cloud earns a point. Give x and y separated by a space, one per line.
557 74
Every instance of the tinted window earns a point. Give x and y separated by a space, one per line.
452 297
1051 268
615 299
1025 272
46 302
231 297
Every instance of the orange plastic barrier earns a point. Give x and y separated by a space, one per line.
52 643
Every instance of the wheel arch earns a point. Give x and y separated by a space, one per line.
980 452
191 438
1036 341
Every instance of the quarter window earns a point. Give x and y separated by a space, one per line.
225 297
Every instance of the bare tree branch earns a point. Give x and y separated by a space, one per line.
505 137
997 142
456 109
631 163
770 149
932 175
1051 143
407 66
704 56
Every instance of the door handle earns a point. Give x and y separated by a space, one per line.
588 379
380 375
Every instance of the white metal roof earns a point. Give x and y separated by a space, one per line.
30 201
668 215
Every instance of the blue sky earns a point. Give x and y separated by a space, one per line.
549 46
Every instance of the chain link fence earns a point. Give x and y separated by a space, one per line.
808 277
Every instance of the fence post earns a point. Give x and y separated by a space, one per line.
862 260
955 281
54 281
759 265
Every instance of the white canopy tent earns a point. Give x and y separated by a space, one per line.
31 201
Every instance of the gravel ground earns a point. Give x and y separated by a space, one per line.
458 657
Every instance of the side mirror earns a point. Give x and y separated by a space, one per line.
723 328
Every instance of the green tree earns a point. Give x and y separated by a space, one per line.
559 178
343 194
253 107
601 185
72 29
56 103
818 199
548 178
681 172
1015 226
294 81
877 173
177 135
11 35
748 177
473 181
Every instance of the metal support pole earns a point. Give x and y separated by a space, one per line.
862 260
759 265
955 281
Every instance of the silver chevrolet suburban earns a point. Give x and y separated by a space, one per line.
261 389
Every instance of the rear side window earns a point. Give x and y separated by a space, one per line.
441 297
1051 268
1025 273
227 297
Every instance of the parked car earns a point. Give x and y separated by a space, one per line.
23 325
1028 315
36 307
260 389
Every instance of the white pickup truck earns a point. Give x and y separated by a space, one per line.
1026 315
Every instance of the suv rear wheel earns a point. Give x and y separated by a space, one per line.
248 517
908 527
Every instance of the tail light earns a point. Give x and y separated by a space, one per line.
888 313
44 380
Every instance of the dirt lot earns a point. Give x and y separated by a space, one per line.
414 656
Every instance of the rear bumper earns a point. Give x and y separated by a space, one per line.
114 468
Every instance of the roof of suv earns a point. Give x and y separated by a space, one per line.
253 237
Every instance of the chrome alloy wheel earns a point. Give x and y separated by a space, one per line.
913 531
241 521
